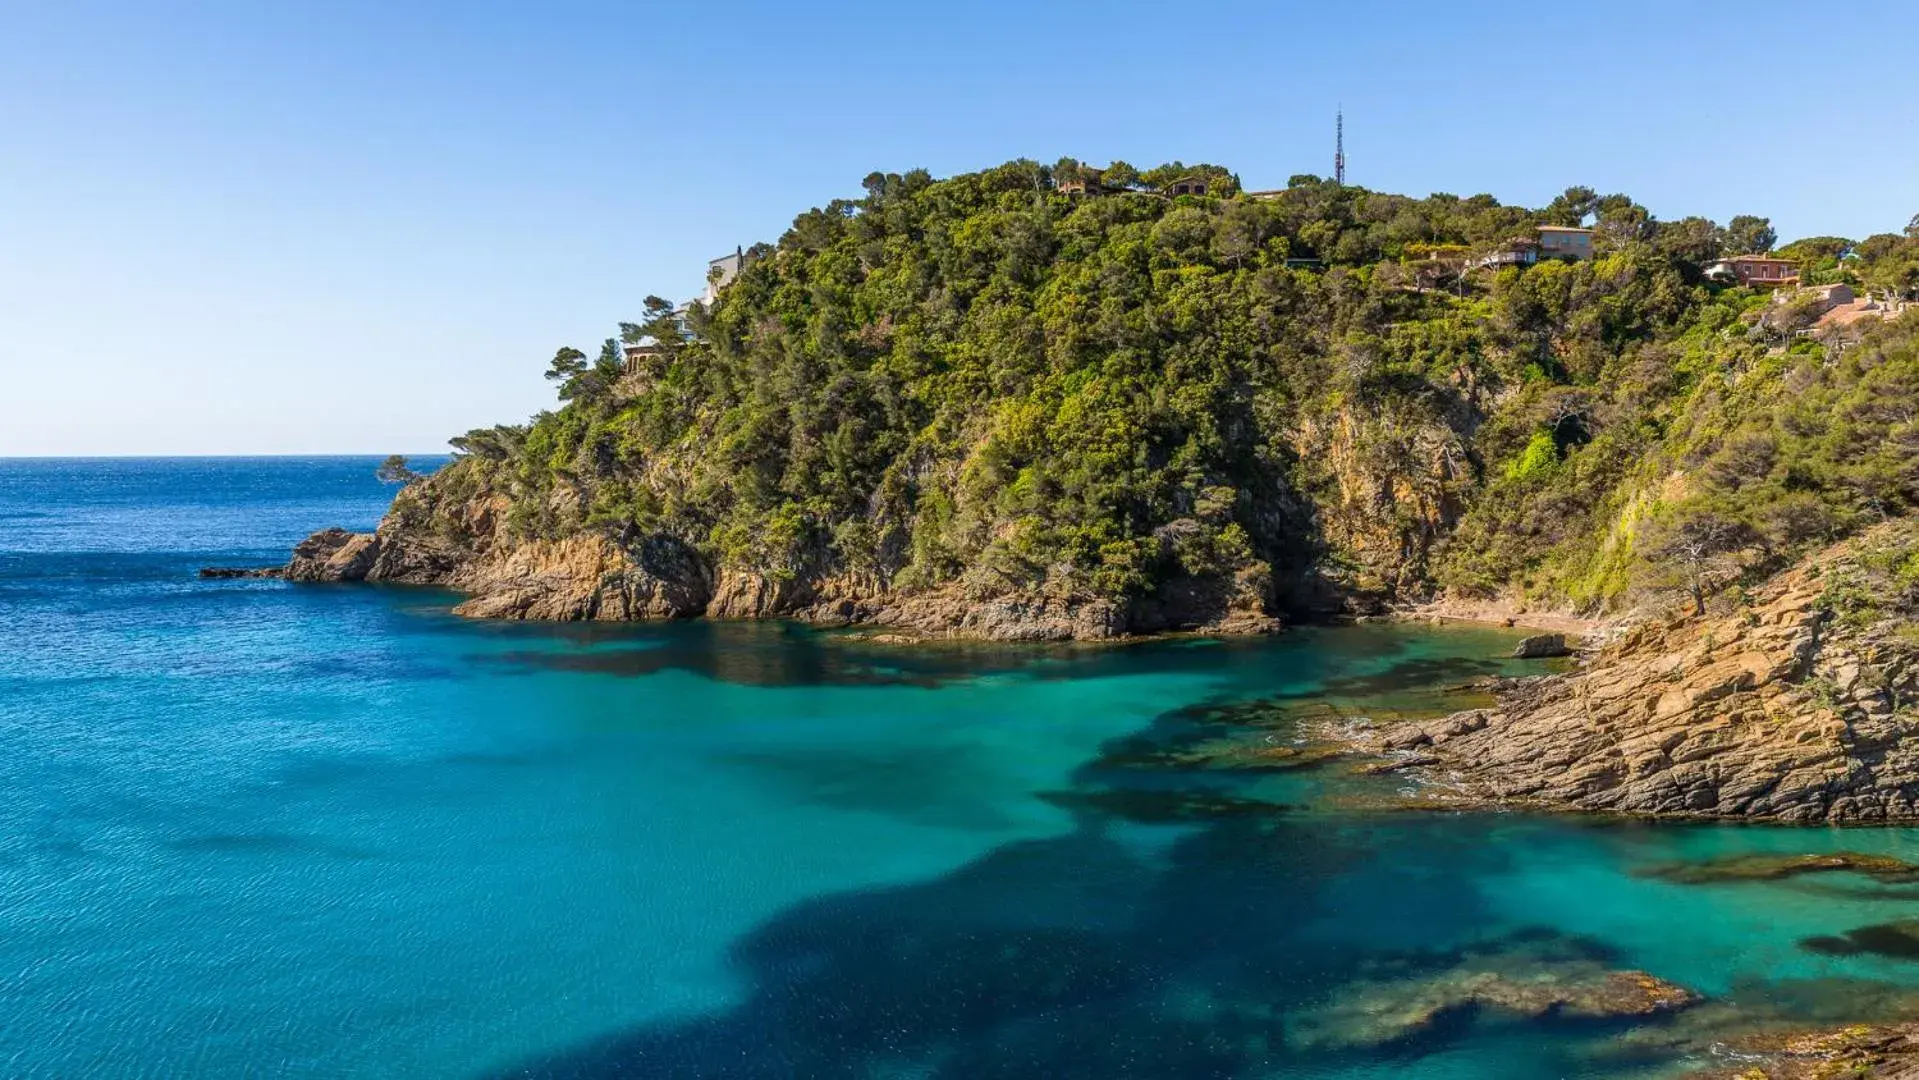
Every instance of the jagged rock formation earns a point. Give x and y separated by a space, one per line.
1777 709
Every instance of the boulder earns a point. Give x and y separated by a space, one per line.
1540 646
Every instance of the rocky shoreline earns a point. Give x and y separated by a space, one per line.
595 577
1773 710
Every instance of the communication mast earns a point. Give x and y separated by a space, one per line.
1339 147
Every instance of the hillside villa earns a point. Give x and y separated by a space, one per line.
1549 242
1761 270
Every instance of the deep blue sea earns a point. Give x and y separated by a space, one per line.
253 829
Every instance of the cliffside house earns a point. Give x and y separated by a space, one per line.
1082 185
1547 242
720 273
1760 270
1565 242
1185 185
639 353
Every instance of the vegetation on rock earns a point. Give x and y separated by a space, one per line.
981 384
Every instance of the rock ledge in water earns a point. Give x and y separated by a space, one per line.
1517 987
1770 867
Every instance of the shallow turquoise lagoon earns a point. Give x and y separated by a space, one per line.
248 829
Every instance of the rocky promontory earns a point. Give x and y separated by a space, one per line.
440 534
1797 703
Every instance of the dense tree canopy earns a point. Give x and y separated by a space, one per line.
980 380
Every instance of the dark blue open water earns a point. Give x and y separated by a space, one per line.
249 829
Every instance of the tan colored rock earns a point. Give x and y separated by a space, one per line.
1768 712
333 555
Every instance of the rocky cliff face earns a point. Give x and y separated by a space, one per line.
1387 490
445 533
1781 708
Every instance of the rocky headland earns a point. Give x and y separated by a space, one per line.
1796 701
596 575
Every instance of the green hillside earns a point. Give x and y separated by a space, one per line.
1310 396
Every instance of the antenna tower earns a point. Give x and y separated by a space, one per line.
1339 147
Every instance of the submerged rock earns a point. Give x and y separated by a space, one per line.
1518 985
1895 940
1770 867
1153 806
232 572
1855 1052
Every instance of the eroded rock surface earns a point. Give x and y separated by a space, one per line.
1772 711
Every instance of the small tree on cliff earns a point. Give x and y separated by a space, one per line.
394 470
1696 547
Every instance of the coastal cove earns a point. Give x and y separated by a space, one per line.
253 828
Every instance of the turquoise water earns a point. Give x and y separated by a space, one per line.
250 829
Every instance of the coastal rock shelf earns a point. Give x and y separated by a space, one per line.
1774 710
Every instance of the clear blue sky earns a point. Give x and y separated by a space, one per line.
282 226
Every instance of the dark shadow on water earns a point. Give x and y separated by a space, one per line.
790 654
764 654
1060 958
1078 956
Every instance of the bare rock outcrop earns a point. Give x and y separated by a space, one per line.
585 577
1775 710
333 555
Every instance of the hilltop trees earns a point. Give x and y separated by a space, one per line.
1749 235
